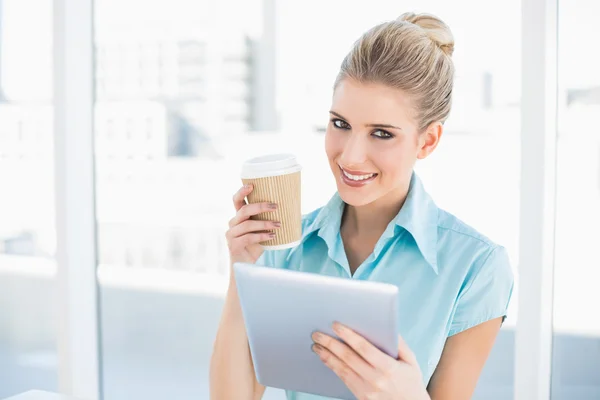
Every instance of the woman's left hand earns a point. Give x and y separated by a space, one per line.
367 371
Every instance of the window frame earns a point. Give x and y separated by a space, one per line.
79 341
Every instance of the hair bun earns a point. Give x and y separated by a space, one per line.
435 28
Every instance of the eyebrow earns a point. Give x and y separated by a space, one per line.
369 125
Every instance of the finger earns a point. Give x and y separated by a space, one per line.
405 353
363 347
351 379
347 355
250 226
240 243
239 198
250 210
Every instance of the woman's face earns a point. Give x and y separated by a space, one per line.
372 142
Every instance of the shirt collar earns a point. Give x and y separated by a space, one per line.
418 216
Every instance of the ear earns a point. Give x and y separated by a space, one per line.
429 139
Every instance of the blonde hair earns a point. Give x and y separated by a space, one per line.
412 53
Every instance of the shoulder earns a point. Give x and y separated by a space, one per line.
451 227
479 269
466 251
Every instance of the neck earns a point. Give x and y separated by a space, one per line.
373 218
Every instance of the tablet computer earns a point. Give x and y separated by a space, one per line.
282 308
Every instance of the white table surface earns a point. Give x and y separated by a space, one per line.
39 395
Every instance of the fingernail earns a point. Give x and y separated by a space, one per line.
272 206
316 348
277 224
247 186
317 336
338 328
272 234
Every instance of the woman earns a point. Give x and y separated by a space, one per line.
391 98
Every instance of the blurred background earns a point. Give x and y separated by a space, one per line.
187 89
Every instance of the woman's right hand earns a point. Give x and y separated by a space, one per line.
244 234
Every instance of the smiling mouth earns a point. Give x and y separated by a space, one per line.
357 177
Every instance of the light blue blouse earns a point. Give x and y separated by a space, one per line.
450 277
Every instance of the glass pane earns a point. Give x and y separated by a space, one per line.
183 98
28 357
576 355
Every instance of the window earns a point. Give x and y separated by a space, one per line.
176 88
164 257
576 353
28 355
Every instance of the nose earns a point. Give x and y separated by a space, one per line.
355 151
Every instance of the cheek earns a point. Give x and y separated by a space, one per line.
395 160
332 144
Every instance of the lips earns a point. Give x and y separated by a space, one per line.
357 178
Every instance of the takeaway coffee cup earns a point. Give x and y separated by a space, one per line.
276 179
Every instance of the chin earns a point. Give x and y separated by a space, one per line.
355 201
356 197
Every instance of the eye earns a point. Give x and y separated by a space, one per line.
382 134
340 124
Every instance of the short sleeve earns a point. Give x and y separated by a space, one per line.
487 295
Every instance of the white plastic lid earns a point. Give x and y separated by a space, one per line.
270 165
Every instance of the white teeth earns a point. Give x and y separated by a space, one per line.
358 177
